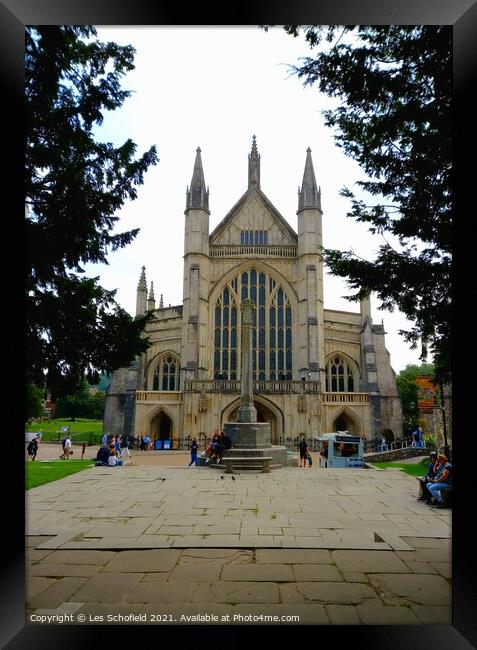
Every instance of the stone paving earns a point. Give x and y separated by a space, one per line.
326 546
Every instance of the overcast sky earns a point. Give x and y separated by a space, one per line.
215 88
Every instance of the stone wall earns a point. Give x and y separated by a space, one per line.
396 455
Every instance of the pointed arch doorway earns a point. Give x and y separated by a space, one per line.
265 413
345 422
161 426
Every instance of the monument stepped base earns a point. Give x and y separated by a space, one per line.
277 453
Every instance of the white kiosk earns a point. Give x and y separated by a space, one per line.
341 450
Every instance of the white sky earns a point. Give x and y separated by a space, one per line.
215 88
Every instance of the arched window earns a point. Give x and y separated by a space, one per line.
166 374
339 375
272 327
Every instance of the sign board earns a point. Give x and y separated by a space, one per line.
347 439
426 394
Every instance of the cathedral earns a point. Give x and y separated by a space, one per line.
315 370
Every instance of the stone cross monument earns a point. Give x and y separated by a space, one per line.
251 440
247 411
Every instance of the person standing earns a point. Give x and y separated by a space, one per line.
146 440
193 452
117 444
124 449
303 447
227 443
104 440
419 438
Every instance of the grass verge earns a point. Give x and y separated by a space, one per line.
81 430
38 473
414 469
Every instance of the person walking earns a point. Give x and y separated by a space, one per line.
193 452
32 448
67 451
303 447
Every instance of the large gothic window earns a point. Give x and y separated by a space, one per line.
339 375
166 374
272 327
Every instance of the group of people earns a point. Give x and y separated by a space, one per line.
113 451
439 476
219 443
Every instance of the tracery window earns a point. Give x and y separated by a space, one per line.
271 333
253 237
339 375
166 374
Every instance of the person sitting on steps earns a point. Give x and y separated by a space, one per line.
424 494
442 480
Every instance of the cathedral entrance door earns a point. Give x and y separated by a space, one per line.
264 414
345 423
161 426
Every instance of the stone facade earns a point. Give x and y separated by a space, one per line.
315 370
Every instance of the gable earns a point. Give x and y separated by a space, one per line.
254 212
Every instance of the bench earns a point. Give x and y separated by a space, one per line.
247 462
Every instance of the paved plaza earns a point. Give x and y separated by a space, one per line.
326 546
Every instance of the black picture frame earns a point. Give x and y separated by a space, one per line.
14 15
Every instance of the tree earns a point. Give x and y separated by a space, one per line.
406 383
33 402
394 88
77 404
74 187
97 403
84 402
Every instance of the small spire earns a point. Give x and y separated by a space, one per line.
308 195
141 294
161 303
151 302
254 166
142 280
198 194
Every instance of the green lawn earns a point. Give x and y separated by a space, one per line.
415 469
38 473
81 430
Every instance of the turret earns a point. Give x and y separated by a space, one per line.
196 257
310 272
198 194
309 196
197 211
141 296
